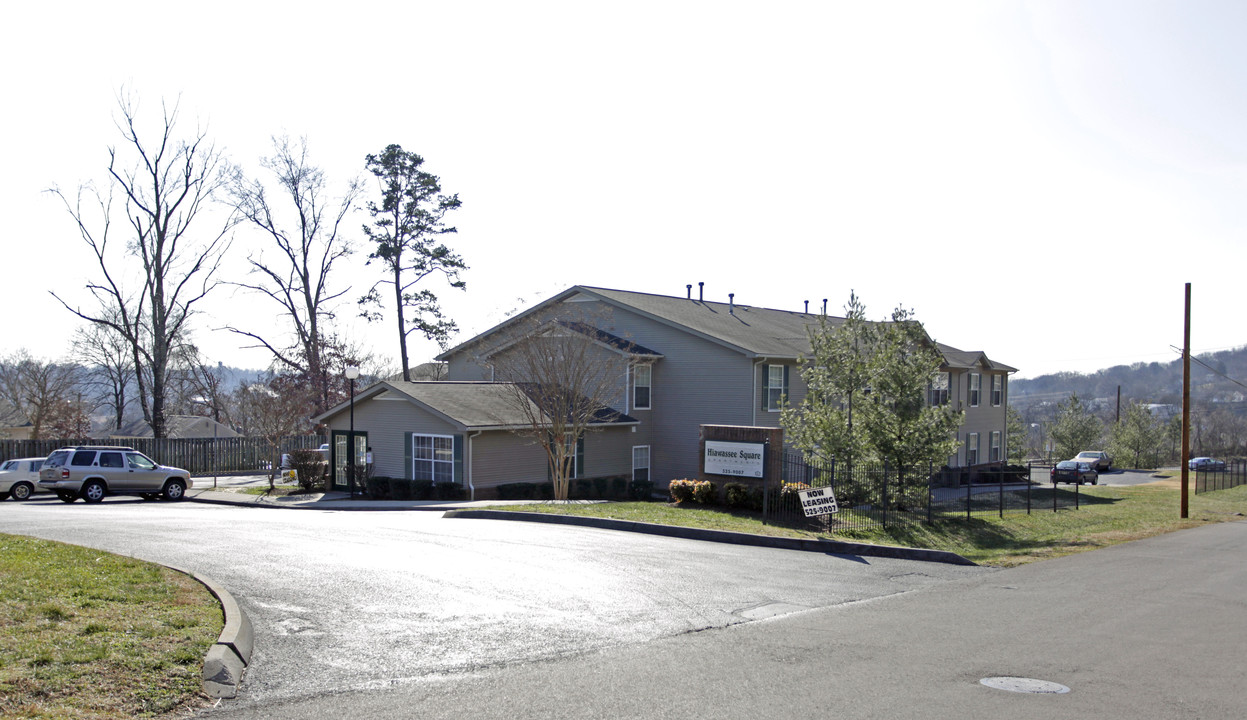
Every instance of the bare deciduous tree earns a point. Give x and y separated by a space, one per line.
308 242
563 377
110 368
46 393
167 184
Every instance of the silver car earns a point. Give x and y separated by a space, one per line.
91 471
1098 459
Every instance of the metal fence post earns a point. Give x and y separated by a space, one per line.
1001 479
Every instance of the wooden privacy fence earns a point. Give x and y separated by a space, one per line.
198 455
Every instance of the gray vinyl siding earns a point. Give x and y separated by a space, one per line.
500 457
387 423
696 382
983 419
608 452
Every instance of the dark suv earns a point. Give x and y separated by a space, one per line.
92 471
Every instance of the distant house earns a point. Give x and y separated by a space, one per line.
177 426
690 362
13 423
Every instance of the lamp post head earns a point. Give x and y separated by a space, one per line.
352 372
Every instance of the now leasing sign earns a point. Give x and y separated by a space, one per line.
735 458
819 501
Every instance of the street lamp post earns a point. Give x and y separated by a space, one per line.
352 372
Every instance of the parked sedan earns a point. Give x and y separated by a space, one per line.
1097 458
1072 471
1206 464
19 478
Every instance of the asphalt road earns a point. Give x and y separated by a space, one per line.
349 604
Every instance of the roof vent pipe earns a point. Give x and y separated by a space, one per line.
807 307
731 303
824 306
689 287
700 287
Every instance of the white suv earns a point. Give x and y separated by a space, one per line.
18 477
92 471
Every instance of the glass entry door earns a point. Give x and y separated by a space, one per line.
342 458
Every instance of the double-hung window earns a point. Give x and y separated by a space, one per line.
640 463
642 377
998 389
433 458
976 384
994 450
937 391
972 449
776 387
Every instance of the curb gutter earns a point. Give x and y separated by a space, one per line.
831 547
227 659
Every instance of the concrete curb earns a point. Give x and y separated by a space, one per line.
832 547
228 658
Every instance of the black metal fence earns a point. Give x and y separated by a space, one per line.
1233 474
877 496
200 456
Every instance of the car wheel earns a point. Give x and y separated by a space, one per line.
1095 481
67 496
21 491
93 491
175 490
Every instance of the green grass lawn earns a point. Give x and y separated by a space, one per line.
1108 515
87 634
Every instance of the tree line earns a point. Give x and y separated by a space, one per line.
171 209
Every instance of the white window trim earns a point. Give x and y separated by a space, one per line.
649 386
649 461
993 449
972 445
974 395
997 401
779 406
433 460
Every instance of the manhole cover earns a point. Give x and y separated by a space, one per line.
1024 685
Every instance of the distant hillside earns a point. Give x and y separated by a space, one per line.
1219 377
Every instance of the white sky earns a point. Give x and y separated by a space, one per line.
1037 180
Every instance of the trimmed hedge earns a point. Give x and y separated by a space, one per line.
610 487
384 488
702 492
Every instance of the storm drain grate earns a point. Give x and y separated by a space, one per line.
1024 685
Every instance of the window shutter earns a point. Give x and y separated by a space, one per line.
407 470
458 477
785 390
766 379
580 456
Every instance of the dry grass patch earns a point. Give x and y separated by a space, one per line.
87 634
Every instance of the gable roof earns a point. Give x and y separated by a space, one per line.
753 331
177 426
474 405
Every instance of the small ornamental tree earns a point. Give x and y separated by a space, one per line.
561 381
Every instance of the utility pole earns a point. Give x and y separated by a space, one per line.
1186 402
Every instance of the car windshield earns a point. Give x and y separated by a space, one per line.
1066 465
